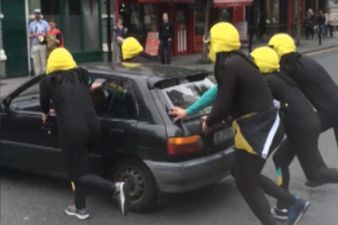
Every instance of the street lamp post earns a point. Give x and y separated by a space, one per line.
109 29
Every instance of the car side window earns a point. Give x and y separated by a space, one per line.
28 100
115 99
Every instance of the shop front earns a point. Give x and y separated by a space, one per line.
143 17
233 11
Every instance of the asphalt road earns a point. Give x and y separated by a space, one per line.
28 199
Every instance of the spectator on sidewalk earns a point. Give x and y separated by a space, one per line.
309 24
330 20
166 34
320 21
120 32
38 30
54 37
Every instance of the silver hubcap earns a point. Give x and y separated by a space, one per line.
136 182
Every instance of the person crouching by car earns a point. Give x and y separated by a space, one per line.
131 49
68 87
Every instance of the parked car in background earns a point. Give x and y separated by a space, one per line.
139 141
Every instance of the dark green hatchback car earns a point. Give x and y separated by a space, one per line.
139 141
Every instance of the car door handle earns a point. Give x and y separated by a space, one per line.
116 131
47 129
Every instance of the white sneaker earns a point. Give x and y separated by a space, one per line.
81 214
122 196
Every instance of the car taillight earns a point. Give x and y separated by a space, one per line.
184 145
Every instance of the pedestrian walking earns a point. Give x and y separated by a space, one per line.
313 80
166 34
120 32
235 73
38 30
330 22
309 24
54 37
301 125
68 87
320 23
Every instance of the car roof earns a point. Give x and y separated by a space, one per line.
154 73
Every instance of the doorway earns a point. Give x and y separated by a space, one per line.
14 37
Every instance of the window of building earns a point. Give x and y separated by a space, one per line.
74 7
273 12
137 19
78 20
51 7
115 99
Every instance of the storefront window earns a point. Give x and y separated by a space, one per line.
272 12
150 18
199 22
132 15
224 15
78 21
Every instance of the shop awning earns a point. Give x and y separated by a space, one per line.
231 3
166 1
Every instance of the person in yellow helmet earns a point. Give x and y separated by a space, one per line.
299 117
243 94
315 83
131 48
68 86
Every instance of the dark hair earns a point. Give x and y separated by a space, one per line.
52 20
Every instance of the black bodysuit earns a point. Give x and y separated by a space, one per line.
302 127
242 91
78 126
317 85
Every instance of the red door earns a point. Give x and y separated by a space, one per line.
181 33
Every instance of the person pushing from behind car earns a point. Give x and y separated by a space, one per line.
314 81
243 94
301 125
67 87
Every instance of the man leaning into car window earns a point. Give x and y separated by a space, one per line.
68 87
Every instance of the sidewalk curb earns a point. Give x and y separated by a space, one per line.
319 49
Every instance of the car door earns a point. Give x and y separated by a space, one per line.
117 109
24 142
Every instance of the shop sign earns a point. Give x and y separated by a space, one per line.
152 43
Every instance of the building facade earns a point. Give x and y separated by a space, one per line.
186 16
79 20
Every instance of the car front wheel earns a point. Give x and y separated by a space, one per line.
143 192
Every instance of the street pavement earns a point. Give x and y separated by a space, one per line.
28 199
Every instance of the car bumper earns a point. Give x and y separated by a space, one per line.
189 175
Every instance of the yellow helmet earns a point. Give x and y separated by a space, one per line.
282 43
224 37
60 59
266 59
131 48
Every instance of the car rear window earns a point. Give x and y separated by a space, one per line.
184 95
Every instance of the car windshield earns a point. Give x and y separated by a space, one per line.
184 95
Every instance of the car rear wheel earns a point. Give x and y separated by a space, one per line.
143 192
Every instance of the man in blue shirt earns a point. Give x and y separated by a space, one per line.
37 31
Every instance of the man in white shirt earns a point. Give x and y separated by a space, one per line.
37 30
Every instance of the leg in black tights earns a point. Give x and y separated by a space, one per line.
75 142
247 170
